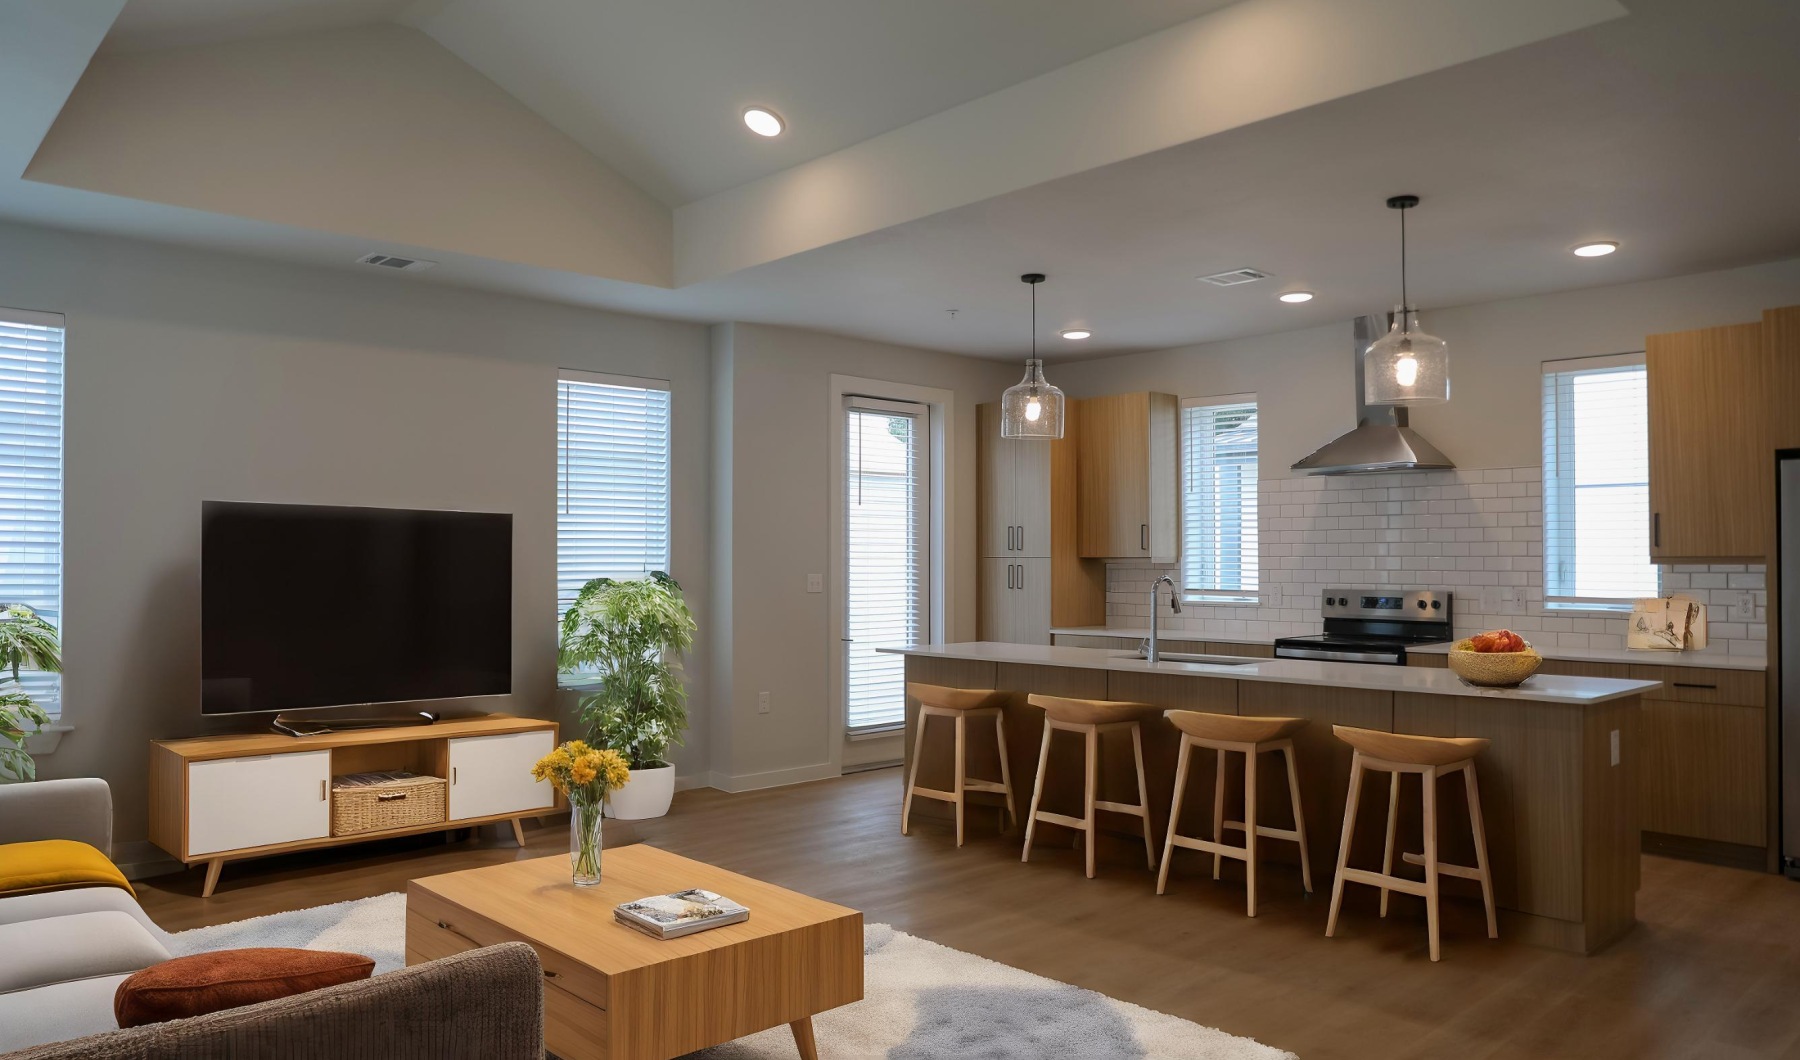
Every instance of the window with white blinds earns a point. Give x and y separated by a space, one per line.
887 550
31 445
1597 482
612 480
1218 496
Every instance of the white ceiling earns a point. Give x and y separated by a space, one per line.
1673 130
148 25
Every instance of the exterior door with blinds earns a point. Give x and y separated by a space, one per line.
887 547
31 448
612 479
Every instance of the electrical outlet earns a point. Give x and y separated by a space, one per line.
762 702
1743 609
815 583
1512 600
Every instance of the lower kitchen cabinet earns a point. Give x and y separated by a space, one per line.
1703 771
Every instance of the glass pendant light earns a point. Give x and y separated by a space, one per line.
1033 408
1406 366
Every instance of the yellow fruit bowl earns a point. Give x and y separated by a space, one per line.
1494 669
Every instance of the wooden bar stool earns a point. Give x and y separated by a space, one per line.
959 704
1092 719
1430 757
1250 737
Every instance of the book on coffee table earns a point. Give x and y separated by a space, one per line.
670 916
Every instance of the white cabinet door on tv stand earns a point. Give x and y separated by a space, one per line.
492 774
259 800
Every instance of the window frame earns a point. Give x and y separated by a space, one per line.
1251 546
1555 487
579 377
46 689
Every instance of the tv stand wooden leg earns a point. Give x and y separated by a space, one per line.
518 831
212 876
803 1038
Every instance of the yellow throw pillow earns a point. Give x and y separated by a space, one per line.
56 865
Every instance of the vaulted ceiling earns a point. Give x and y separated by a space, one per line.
592 151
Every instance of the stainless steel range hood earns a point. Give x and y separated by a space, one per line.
1382 441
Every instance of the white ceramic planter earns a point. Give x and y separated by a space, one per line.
648 795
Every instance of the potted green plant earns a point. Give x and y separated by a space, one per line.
26 642
621 645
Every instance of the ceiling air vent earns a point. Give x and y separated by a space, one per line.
1235 277
391 261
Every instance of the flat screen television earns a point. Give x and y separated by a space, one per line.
309 606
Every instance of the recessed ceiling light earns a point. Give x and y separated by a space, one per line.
763 121
1077 333
1296 297
1596 250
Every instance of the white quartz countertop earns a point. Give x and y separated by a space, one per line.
1714 660
1430 680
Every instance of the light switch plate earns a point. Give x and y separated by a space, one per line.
762 706
815 583
1512 600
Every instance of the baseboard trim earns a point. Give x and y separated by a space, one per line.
774 778
1710 851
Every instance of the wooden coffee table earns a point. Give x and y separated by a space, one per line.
612 993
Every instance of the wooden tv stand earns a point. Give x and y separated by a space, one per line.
227 798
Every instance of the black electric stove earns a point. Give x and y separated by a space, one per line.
1374 626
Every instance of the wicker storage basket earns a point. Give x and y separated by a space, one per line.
1494 669
373 802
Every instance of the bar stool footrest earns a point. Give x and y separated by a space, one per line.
1056 818
1119 807
1265 831
1376 879
1445 868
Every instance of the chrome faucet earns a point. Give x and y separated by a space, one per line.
1152 653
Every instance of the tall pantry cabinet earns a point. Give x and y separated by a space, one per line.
1030 575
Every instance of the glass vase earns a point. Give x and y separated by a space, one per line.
584 842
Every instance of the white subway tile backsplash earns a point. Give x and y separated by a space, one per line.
1461 530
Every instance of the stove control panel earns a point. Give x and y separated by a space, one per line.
1388 605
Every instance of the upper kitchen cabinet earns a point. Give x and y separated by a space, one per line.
1711 444
1030 575
1781 352
1129 477
1014 489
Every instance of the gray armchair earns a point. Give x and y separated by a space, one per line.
57 809
485 1004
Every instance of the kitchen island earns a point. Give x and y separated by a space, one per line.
1558 780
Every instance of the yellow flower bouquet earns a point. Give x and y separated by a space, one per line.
586 776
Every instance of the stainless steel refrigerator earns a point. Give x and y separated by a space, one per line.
1788 512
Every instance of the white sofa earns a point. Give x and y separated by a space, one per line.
64 953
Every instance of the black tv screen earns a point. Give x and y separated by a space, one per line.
307 606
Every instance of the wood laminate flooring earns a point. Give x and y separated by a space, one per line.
1712 970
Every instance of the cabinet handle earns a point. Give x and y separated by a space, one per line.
1144 537
1656 530
1009 539
321 791
1021 575
1009 572
452 774
1021 539
1686 684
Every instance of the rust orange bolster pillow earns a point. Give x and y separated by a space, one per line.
55 865
210 982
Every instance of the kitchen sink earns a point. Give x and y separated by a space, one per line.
1192 657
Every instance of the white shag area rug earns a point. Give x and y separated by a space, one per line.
921 1001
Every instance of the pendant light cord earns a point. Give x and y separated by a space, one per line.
1405 302
1034 355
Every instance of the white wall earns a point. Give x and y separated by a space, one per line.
777 492
193 376
432 154
1305 384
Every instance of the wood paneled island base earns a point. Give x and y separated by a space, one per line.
1558 780
611 993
